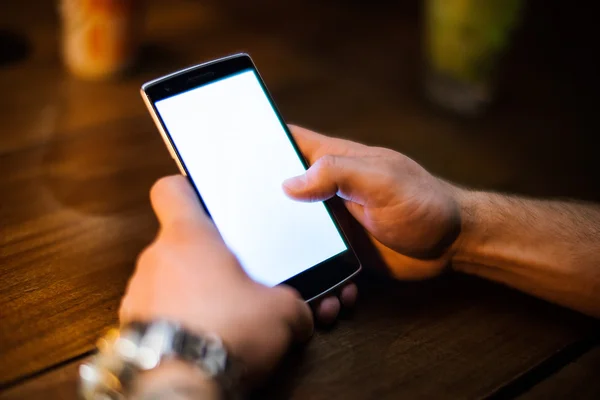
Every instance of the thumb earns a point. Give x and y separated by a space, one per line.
330 176
175 204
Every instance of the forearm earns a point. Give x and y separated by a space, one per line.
549 249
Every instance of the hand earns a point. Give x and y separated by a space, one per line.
188 275
413 218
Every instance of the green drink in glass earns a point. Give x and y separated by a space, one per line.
463 42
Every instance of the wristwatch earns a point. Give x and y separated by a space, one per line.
138 347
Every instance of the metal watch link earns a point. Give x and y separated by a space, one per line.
138 347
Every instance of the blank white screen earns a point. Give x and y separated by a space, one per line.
238 154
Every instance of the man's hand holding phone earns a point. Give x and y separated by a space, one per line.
413 218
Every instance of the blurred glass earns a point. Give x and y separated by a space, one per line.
100 38
463 42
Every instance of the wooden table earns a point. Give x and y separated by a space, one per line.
77 160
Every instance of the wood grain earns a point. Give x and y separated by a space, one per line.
577 379
60 383
453 337
77 159
78 216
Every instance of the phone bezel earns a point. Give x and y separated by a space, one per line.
318 279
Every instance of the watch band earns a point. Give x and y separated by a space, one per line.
138 347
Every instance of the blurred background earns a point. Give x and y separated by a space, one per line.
359 69
491 94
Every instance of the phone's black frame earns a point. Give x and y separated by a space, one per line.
315 281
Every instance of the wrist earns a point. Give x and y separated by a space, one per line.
468 202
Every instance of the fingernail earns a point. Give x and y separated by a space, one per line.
295 183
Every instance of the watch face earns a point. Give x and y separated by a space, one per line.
141 347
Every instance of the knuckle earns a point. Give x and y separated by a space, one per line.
327 160
326 164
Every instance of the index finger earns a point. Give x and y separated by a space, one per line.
314 145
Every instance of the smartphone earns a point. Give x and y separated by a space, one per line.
226 135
